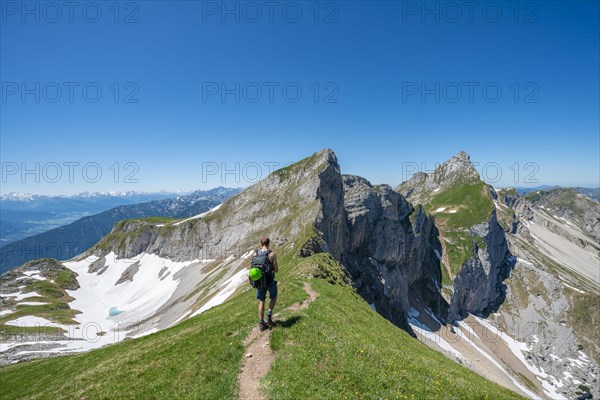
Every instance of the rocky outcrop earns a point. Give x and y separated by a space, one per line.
541 311
556 228
567 203
474 250
421 186
391 251
46 268
553 208
479 286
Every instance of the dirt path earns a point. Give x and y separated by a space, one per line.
312 295
259 356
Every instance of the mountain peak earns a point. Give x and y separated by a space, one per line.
459 167
461 156
327 155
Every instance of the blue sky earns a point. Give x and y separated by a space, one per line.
379 84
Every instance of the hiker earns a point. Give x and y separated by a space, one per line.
270 285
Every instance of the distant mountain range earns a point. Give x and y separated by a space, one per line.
593 193
589 192
73 238
37 201
24 214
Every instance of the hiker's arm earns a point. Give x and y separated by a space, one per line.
275 266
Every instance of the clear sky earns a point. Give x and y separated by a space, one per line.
197 94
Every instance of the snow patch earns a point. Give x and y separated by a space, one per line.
572 287
577 362
425 333
492 359
517 348
468 329
98 298
534 338
227 289
145 333
204 214
20 296
568 375
31 321
247 254
524 261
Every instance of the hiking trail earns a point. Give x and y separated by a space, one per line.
259 356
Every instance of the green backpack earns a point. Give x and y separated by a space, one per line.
261 273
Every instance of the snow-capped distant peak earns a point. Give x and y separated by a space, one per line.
14 196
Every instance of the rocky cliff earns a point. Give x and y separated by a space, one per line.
475 252
391 251
280 206
479 286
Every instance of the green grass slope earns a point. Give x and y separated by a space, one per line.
337 348
456 209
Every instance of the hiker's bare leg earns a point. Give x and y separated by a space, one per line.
261 310
272 304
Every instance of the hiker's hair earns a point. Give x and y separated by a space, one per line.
264 241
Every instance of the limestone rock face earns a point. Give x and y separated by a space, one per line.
391 251
479 287
280 206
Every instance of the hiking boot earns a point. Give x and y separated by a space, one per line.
270 321
262 326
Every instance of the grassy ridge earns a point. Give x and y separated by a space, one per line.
336 348
341 349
